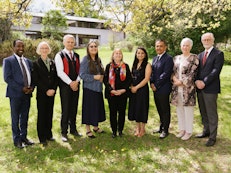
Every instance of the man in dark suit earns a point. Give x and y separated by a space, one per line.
67 65
162 66
17 75
208 84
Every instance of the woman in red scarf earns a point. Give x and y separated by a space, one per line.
117 80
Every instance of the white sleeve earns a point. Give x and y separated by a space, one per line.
60 70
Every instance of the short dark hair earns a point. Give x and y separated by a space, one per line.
162 40
14 42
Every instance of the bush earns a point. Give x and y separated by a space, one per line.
227 58
6 48
124 45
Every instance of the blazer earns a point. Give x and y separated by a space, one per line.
43 78
210 71
161 74
13 76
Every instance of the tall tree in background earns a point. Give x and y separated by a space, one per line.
116 12
54 23
12 13
176 19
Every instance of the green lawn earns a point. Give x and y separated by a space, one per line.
126 154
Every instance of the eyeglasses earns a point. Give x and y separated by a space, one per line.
93 46
206 39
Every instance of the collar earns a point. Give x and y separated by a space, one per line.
209 50
161 55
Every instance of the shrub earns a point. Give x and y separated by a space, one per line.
6 48
227 58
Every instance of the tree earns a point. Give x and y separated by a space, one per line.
116 12
119 12
54 23
176 19
13 13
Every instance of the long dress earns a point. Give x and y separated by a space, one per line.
139 101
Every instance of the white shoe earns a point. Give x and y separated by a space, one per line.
64 138
186 136
181 134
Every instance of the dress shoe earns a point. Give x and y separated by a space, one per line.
43 143
76 133
64 138
113 135
202 135
19 145
27 142
163 135
186 136
210 142
181 134
157 131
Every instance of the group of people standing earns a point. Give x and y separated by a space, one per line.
179 77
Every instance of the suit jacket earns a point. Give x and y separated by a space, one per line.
43 78
161 74
13 76
210 72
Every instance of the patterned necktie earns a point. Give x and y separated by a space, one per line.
204 58
47 64
25 77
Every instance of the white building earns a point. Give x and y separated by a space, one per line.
81 27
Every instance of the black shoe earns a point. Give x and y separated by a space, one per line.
90 135
98 130
43 143
120 133
27 142
19 145
202 135
210 142
163 135
76 134
157 131
113 135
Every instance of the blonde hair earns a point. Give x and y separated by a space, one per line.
38 50
117 49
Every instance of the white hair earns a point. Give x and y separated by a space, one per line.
208 34
38 50
186 40
68 36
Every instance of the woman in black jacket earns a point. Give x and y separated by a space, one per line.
117 80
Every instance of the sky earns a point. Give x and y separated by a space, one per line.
41 5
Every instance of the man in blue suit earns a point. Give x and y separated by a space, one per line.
208 84
162 66
17 75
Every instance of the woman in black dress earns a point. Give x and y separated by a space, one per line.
117 80
139 99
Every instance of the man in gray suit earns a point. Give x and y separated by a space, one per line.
208 85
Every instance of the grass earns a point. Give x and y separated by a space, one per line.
122 155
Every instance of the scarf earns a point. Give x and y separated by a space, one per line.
112 76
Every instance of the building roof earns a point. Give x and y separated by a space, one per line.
73 18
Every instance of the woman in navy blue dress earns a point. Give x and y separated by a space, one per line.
139 99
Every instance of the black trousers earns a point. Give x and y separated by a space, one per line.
69 105
117 106
45 106
163 108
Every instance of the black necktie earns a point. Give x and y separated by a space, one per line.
25 77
